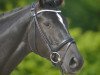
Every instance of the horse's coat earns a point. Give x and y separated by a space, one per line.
20 35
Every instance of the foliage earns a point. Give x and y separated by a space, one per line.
35 65
6 5
89 45
83 13
84 19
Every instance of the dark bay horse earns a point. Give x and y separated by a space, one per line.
42 29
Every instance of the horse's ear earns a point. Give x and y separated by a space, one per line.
50 3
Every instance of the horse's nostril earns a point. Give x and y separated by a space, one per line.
73 63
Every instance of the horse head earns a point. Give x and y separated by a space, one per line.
52 39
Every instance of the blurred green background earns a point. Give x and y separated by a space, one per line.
84 23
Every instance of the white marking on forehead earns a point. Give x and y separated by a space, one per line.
60 19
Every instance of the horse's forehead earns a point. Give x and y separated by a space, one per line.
57 16
50 15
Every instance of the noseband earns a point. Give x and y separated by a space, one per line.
53 51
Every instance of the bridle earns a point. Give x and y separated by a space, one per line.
53 52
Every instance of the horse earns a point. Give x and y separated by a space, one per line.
38 28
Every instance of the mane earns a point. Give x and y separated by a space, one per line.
9 18
10 12
50 3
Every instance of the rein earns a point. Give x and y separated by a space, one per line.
53 52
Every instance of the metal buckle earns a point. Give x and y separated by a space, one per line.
53 55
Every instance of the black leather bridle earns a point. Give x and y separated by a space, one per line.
53 51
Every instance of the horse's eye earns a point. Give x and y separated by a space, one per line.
47 24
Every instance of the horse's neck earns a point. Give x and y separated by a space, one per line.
8 19
12 39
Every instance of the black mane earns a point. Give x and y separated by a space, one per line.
9 18
50 3
10 12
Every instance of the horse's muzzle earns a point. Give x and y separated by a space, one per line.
72 61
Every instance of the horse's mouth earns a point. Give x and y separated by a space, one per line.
64 73
72 68
72 62
67 73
